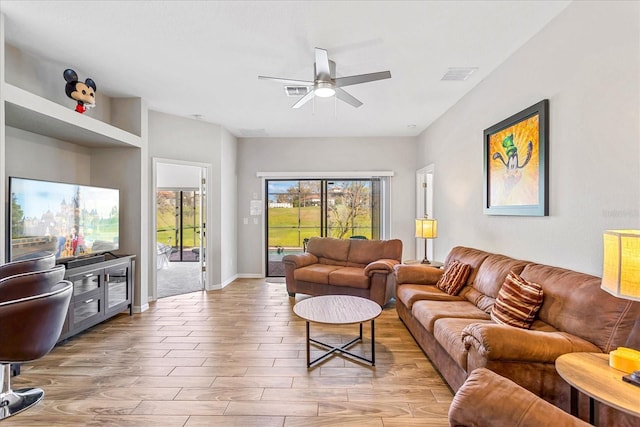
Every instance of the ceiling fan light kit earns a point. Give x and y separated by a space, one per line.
324 90
325 84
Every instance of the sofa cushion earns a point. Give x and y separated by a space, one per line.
517 303
448 332
473 257
351 277
489 279
427 312
409 294
315 273
362 252
329 248
574 302
454 277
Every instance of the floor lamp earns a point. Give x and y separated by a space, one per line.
426 228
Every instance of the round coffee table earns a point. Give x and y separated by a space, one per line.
338 310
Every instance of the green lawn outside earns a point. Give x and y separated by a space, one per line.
284 230
166 228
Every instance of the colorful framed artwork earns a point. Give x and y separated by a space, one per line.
516 164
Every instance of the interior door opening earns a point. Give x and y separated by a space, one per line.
180 229
300 209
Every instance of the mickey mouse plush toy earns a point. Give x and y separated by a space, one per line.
83 92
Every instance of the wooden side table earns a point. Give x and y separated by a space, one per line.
434 264
591 374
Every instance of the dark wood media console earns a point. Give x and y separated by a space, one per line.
100 291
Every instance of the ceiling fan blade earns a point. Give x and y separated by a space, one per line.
287 81
323 69
349 99
362 78
308 97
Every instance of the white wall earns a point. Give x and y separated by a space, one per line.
177 176
229 193
587 63
309 155
30 155
182 139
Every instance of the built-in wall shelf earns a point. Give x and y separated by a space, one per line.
27 111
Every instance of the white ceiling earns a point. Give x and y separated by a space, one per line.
203 57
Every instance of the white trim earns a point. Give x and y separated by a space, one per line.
138 309
250 275
263 229
307 174
224 284
180 162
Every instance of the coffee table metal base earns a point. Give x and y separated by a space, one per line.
343 348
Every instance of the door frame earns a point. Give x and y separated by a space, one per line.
153 276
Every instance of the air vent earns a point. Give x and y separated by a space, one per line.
253 133
458 73
296 90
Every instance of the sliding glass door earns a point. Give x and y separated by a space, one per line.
178 223
300 209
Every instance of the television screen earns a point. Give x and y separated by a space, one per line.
68 219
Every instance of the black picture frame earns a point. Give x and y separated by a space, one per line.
514 185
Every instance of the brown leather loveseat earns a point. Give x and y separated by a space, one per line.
458 334
356 267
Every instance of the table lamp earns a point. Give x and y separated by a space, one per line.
621 271
426 228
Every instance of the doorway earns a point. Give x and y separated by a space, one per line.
180 227
298 209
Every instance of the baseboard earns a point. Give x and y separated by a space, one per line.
249 276
229 280
138 309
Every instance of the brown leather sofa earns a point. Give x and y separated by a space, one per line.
487 399
458 335
356 267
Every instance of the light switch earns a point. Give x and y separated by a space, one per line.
255 221
245 221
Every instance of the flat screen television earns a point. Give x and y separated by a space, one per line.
68 219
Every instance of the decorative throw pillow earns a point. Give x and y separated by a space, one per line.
517 303
454 277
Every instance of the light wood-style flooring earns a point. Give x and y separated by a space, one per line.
233 357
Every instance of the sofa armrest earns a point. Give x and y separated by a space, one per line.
384 266
501 342
488 399
300 260
417 274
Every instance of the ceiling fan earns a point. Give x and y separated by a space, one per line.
325 83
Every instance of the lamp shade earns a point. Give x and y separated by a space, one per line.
621 263
426 228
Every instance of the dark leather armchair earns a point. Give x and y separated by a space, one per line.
18 281
29 329
44 261
29 284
